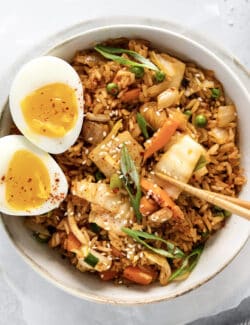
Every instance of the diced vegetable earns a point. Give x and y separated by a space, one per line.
161 137
155 90
112 88
108 275
188 264
100 194
173 68
99 176
130 173
115 182
219 135
142 124
215 93
147 206
107 154
154 117
177 115
163 263
111 221
179 161
138 71
171 252
226 115
168 98
130 95
91 259
94 227
159 76
201 163
109 53
160 196
200 121
72 242
135 274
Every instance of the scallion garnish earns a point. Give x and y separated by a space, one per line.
94 227
201 163
109 53
171 252
142 124
91 260
130 175
188 263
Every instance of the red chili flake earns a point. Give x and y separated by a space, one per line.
3 178
57 180
29 180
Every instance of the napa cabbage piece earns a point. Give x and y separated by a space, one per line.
179 161
107 154
173 67
101 194
165 272
111 221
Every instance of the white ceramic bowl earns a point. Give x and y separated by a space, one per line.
219 251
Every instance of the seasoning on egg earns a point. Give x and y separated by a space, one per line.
51 110
22 191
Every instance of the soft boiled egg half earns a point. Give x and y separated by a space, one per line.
31 182
46 103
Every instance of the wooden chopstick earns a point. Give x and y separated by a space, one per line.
230 204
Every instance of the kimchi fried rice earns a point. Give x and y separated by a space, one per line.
119 220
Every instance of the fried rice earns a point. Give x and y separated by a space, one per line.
82 221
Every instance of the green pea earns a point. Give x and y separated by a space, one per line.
160 76
138 71
200 121
215 93
112 88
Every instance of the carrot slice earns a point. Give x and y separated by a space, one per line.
147 206
130 95
161 137
135 274
160 196
72 242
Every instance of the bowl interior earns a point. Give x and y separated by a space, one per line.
219 251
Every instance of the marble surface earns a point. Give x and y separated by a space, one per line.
27 299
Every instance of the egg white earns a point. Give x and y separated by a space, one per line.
8 146
35 74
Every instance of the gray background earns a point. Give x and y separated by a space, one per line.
25 298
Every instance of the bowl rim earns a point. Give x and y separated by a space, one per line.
38 268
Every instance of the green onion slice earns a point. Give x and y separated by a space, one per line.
129 173
91 260
201 163
109 53
142 124
188 264
172 252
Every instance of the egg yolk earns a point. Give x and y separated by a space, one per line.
27 181
51 110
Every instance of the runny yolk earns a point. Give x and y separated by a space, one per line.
51 110
27 181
